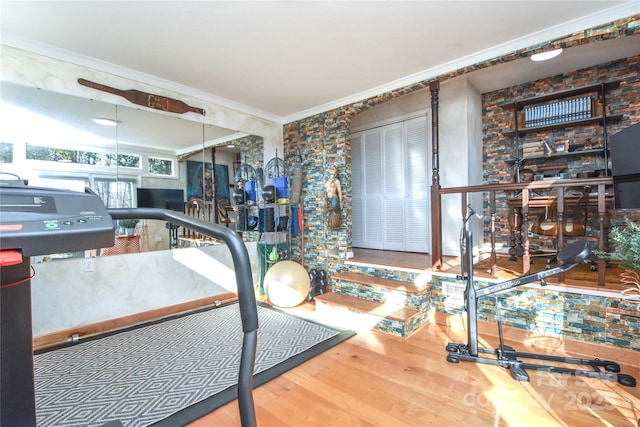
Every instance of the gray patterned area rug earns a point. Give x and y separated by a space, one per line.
171 372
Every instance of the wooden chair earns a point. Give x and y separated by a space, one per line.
574 221
223 211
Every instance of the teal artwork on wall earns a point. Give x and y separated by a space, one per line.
222 182
201 182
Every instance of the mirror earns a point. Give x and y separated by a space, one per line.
54 140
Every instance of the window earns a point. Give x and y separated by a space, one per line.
49 154
160 166
61 182
129 161
64 183
115 194
6 152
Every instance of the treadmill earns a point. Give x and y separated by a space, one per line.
40 221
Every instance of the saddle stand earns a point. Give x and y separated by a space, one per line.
507 357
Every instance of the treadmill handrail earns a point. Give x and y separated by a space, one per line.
246 295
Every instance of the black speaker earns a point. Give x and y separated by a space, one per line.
625 167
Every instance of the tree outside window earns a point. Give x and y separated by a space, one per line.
160 167
6 152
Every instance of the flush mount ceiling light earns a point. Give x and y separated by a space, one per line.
545 56
230 146
104 122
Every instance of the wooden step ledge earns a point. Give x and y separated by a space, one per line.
382 282
379 309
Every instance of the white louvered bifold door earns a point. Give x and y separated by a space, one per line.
417 202
372 185
393 188
390 179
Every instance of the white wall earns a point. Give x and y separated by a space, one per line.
460 127
64 296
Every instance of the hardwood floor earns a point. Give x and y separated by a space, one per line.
374 379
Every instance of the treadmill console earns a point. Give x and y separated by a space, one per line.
40 221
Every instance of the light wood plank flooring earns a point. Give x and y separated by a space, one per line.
375 379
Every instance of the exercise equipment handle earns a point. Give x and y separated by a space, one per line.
246 295
574 253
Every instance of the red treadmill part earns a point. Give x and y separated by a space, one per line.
10 257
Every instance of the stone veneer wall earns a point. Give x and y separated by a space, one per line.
324 139
498 148
596 318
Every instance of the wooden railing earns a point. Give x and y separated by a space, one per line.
202 211
517 199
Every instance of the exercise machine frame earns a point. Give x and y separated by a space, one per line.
38 221
246 295
505 356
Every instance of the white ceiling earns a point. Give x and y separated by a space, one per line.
287 60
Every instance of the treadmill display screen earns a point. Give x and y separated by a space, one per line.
27 203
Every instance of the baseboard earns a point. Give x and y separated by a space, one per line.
44 341
530 341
